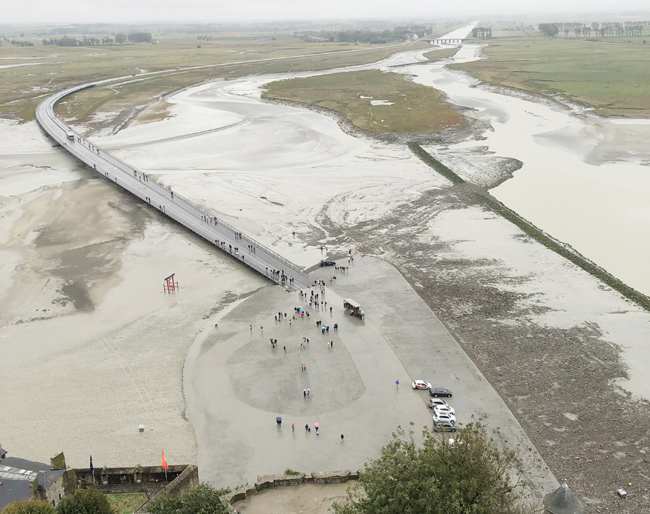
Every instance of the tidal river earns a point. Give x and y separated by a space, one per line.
585 179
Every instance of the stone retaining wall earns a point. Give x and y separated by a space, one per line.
272 481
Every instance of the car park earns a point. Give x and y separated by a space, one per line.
420 384
444 409
440 391
436 401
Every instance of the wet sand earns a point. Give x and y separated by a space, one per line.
81 388
91 347
576 166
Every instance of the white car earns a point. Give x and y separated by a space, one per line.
440 418
436 401
420 384
444 422
444 409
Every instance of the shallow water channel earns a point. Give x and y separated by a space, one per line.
585 179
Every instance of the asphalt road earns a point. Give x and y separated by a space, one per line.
224 236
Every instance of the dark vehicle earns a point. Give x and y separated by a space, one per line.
438 392
353 308
448 426
327 263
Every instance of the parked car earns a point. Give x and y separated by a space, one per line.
445 409
439 391
444 424
420 384
436 401
327 263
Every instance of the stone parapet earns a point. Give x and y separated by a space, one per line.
272 481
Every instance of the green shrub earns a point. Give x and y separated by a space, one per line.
85 501
29 507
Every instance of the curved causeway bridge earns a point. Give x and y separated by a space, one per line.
219 233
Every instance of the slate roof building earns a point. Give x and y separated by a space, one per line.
15 477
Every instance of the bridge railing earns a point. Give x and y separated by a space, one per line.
199 211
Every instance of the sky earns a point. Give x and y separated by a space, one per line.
215 11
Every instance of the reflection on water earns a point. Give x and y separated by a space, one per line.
584 180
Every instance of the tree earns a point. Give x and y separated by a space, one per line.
85 501
120 38
203 499
29 507
140 37
468 475
164 503
550 29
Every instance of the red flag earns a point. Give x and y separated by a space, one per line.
164 462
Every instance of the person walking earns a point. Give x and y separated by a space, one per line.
278 421
306 427
304 393
293 426
397 383
308 390
342 438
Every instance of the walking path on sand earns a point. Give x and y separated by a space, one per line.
236 383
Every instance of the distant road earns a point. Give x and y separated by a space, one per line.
219 233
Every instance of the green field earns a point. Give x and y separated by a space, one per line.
52 68
613 75
415 108
441 53
126 503
225 55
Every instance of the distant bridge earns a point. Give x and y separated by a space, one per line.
445 41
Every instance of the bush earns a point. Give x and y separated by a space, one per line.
29 507
85 501
203 499
468 475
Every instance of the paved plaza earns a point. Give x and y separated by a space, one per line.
236 384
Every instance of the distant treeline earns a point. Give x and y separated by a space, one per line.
134 37
22 43
482 32
367 36
607 29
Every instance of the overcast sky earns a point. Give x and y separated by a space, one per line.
215 11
